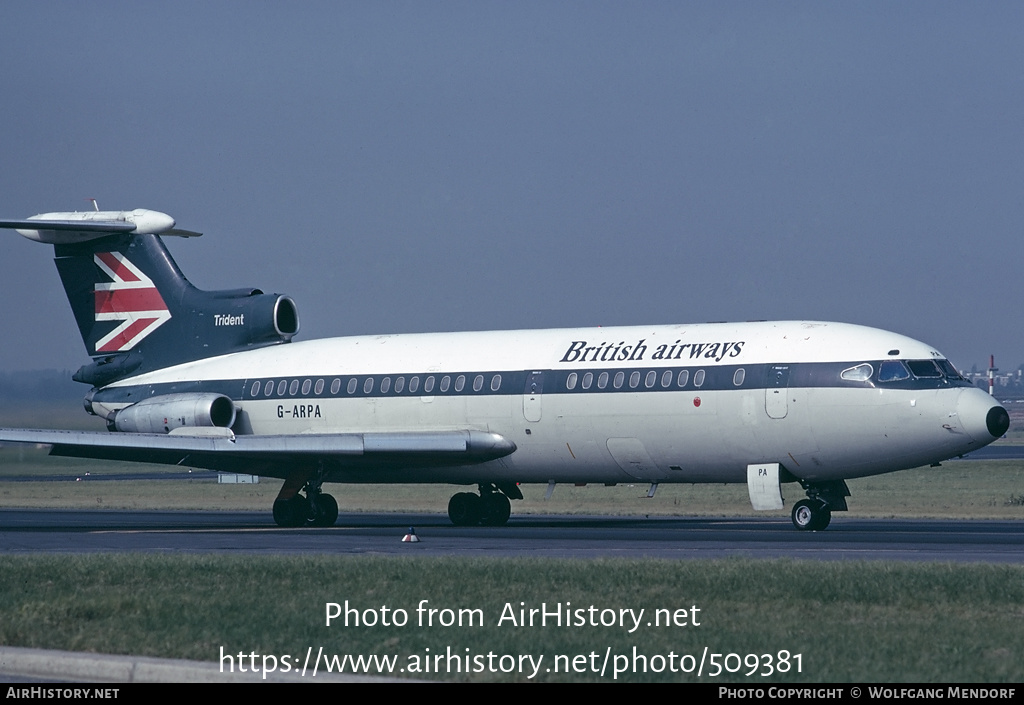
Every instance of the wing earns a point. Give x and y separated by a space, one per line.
275 456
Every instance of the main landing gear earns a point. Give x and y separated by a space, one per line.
815 512
489 508
315 508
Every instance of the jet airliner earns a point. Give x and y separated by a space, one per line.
213 379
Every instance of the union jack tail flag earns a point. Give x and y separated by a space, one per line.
132 298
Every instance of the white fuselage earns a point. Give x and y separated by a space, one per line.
694 403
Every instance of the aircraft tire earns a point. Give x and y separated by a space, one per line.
811 515
824 519
464 509
803 515
496 509
289 512
326 510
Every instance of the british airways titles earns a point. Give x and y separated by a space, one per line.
582 351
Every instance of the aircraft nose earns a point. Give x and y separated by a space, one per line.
981 416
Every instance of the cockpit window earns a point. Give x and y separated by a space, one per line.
924 368
892 371
947 367
860 373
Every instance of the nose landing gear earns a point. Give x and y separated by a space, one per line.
815 512
811 515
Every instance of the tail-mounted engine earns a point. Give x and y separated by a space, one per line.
235 320
165 413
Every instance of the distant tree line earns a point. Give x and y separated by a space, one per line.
40 385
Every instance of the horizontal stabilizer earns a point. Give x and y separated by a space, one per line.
72 225
70 228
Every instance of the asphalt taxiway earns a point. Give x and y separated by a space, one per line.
88 531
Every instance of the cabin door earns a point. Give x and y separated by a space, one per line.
532 395
776 391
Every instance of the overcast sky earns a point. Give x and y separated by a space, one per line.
433 166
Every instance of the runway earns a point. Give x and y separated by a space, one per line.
24 531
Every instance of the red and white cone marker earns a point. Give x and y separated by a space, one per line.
411 537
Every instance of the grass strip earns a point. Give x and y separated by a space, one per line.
870 621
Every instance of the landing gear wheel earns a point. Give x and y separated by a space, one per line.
803 515
290 512
464 509
282 515
824 519
496 509
325 510
810 515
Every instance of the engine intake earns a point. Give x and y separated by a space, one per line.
278 321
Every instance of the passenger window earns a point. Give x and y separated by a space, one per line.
336 386
860 373
281 387
570 382
620 377
602 380
428 385
255 389
352 385
495 383
318 388
684 377
268 389
385 385
306 386
460 382
651 378
414 385
446 382
293 388
478 383
399 385
892 371
698 378
634 380
666 379
368 385
738 376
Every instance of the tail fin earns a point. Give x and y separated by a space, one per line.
137 312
